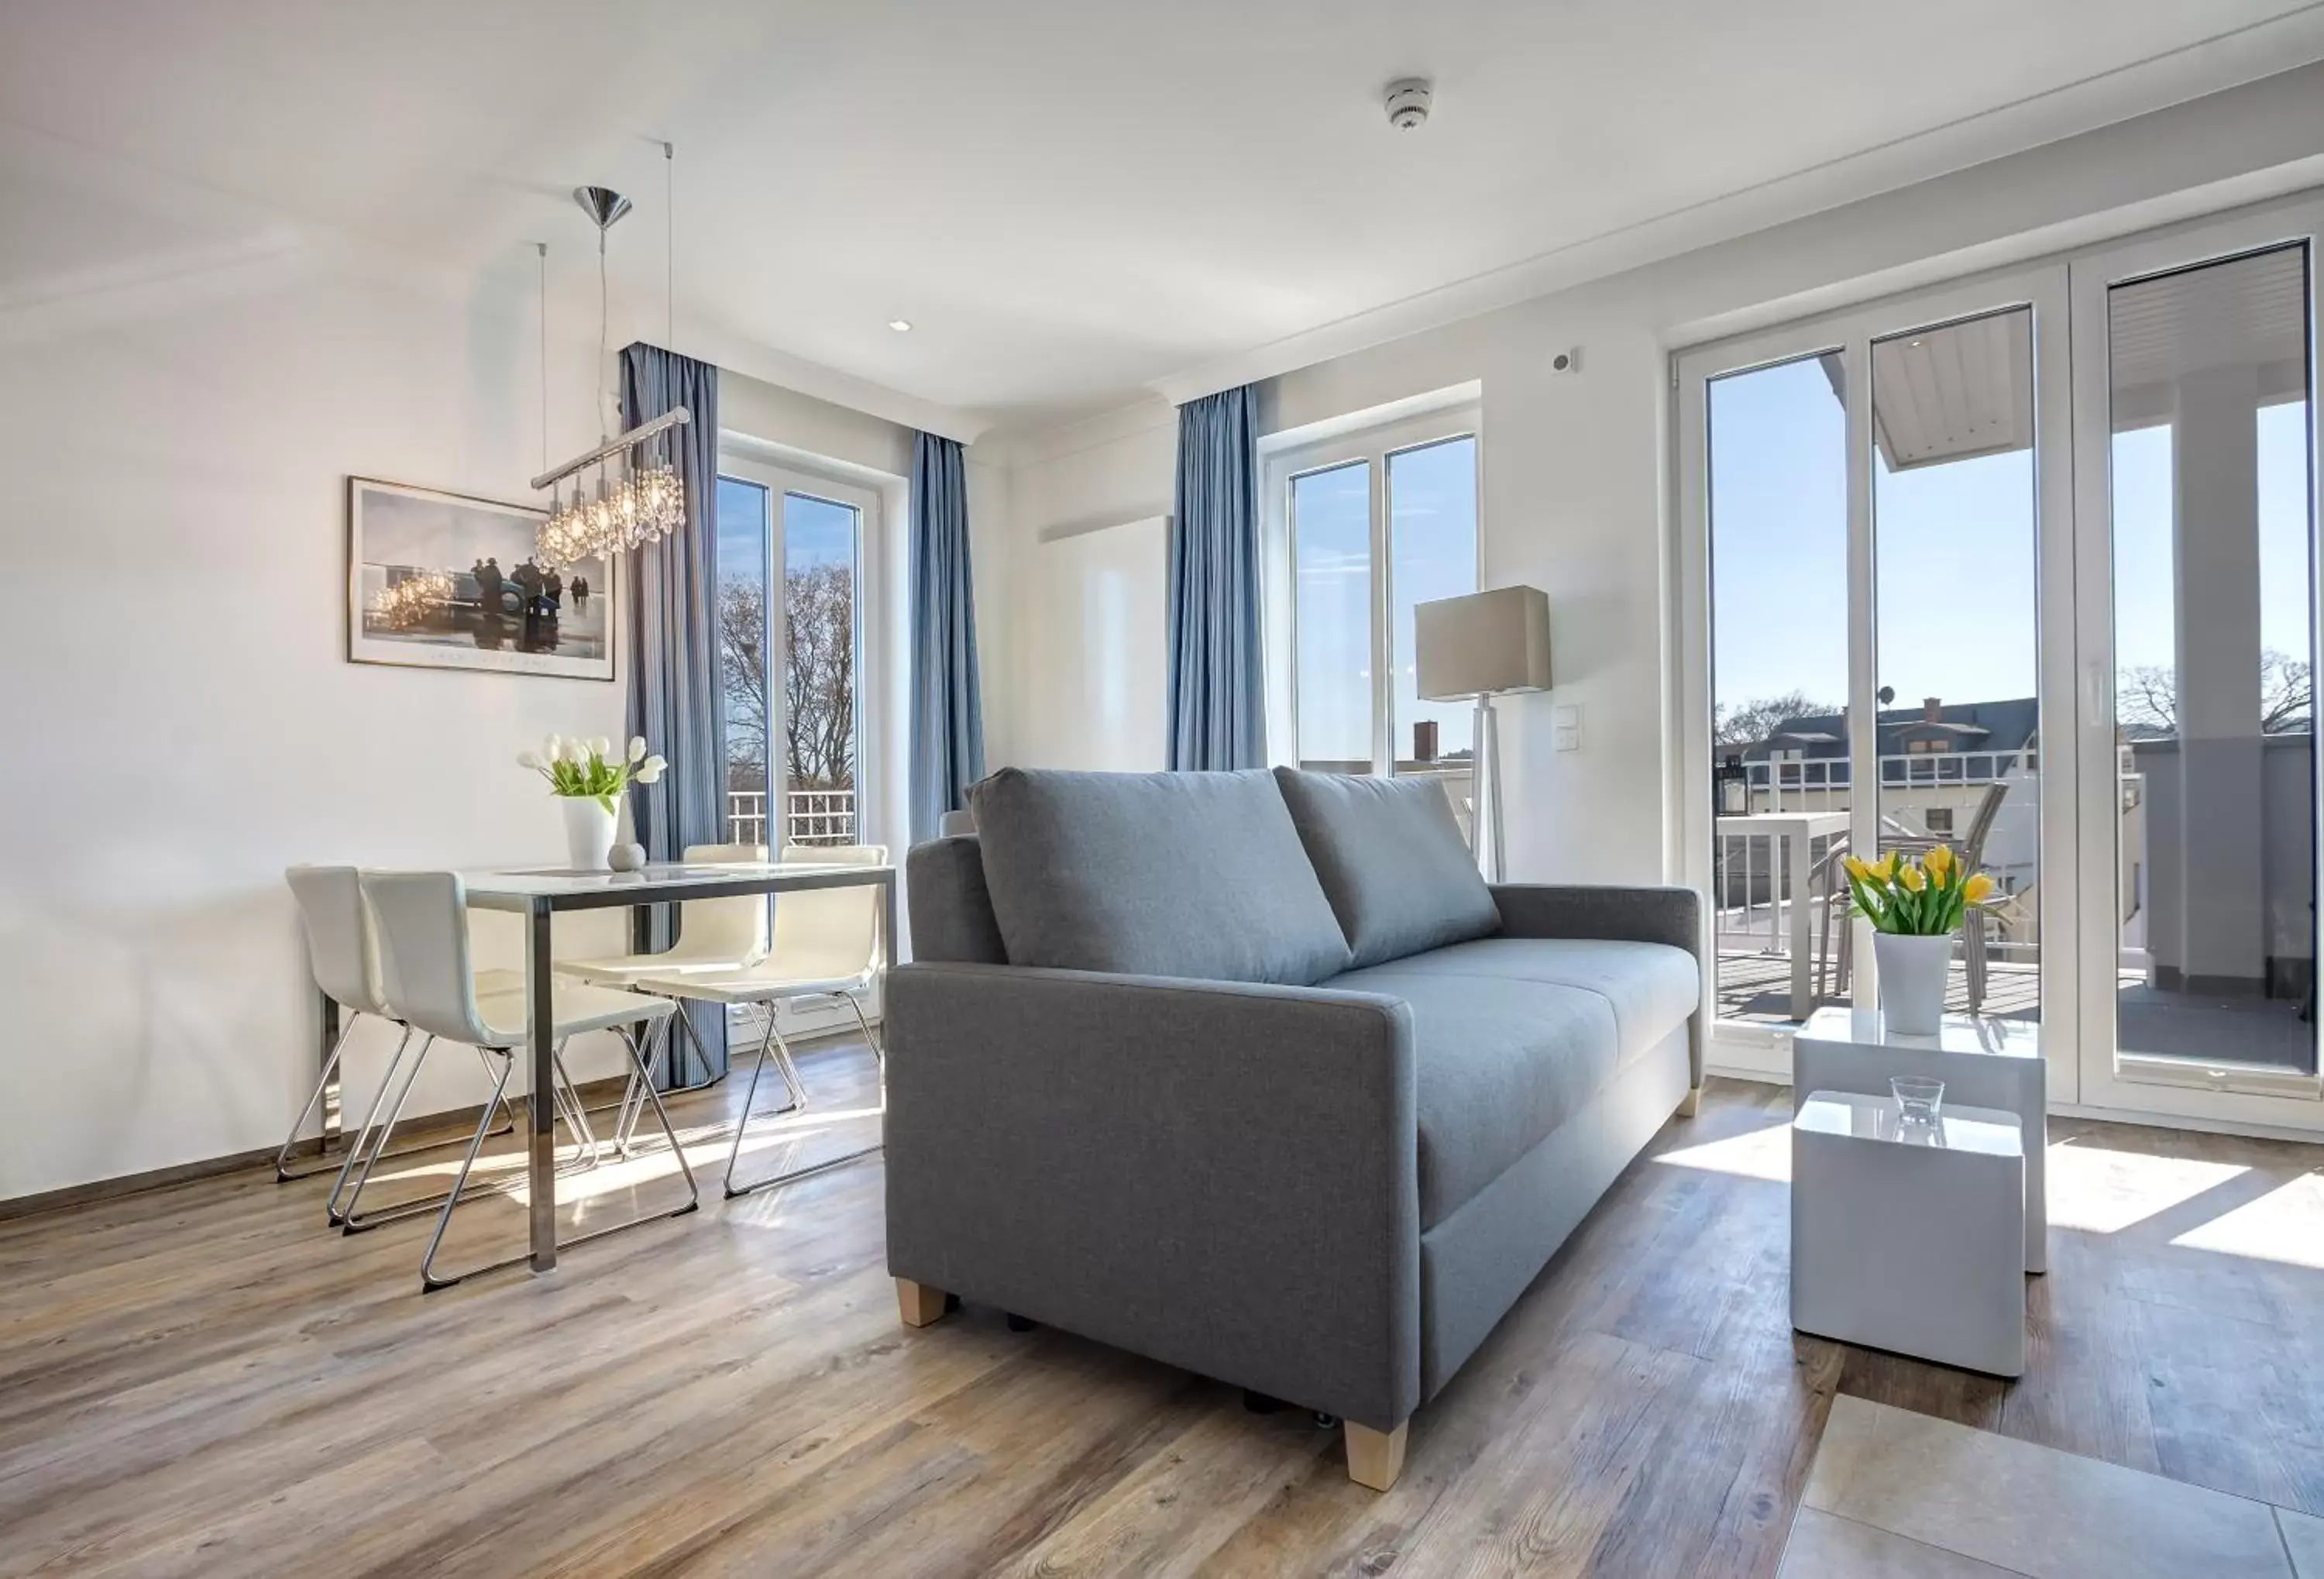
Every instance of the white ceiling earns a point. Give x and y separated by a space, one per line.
1070 199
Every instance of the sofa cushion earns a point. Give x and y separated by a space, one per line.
1391 860
1164 874
1652 987
1514 1036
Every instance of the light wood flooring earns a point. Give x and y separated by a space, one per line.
201 1379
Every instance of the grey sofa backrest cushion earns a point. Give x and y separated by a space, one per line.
951 915
1392 862
1165 875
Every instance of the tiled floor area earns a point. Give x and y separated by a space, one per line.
1899 1495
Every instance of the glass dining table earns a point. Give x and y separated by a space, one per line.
538 893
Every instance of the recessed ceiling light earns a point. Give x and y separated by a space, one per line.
901 326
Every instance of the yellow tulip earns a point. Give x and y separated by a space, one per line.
1856 868
1978 889
1885 867
1939 861
1911 880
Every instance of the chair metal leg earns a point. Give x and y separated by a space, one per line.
349 1222
282 1174
342 1215
430 1281
783 1049
577 1113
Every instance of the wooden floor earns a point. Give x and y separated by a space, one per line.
201 1380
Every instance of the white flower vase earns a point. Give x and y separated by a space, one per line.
1912 971
589 826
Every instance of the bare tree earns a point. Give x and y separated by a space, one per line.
2286 694
819 677
2146 698
1754 721
743 675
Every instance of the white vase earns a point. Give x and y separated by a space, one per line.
1912 971
589 832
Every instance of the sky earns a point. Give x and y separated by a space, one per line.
816 531
1954 548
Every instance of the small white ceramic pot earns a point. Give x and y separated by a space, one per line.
1912 980
590 832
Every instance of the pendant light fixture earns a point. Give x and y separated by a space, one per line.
636 497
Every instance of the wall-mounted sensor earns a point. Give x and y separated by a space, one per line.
1407 103
1566 361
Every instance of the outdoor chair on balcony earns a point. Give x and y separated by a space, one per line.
1835 947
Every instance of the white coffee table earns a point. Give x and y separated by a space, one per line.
1908 1238
1985 1062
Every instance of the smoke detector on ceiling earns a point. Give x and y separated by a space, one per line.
1407 103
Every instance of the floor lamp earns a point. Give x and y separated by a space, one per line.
1485 645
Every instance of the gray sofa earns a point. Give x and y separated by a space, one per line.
1252 1074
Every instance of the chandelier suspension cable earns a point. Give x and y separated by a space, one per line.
636 500
543 248
668 247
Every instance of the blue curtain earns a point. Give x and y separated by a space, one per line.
1218 700
674 670
947 718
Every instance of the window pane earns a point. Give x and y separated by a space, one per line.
1432 551
2213 643
1778 506
1954 549
819 695
1332 547
742 654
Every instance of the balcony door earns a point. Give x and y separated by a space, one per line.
2196 437
1876 585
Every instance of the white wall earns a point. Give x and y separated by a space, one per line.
183 397
1575 467
181 718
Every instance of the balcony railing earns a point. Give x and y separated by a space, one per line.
810 817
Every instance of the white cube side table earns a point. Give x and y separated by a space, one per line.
1909 1240
1985 1062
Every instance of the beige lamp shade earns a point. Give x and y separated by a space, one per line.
1481 645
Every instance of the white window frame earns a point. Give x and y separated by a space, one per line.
779 480
2086 1072
2164 1088
1280 466
1764 1051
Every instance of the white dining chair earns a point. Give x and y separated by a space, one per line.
343 955
423 931
826 945
712 934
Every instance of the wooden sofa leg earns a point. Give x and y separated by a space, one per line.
1375 1458
918 1303
1691 1103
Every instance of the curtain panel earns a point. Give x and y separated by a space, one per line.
674 670
947 715
1217 700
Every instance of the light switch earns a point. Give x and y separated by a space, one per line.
1565 718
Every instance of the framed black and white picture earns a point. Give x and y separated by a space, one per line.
442 580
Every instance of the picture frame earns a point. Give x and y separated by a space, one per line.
445 580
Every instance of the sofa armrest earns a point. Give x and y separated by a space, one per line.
1659 913
1221 1175
1647 913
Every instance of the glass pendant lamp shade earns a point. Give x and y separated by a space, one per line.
638 497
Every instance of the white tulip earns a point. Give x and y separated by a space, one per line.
525 759
637 748
650 770
551 749
574 752
600 747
